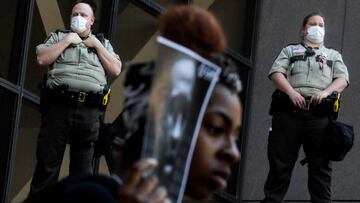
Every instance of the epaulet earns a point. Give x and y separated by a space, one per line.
292 44
100 37
332 48
63 31
139 73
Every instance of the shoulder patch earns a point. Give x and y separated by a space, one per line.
291 44
100 37
63 31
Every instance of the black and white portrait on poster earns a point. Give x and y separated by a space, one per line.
180 92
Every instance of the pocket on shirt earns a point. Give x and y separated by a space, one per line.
298 67
69 56
327 71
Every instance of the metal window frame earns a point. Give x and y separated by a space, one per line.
19 58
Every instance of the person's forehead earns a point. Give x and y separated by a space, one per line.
82 7
316 18
223 97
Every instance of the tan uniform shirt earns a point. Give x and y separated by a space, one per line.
310 76
77 67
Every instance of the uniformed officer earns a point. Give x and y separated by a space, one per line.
78 65
304 75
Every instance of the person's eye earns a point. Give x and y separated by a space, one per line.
215 130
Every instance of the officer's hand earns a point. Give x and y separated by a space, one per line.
297 99
318 97
137 189
92 42
73 38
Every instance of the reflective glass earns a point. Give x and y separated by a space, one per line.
34 72
8 11
7 103
25 150
236 17
167 3
134 30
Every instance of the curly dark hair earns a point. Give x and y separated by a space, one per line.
193 27
229 76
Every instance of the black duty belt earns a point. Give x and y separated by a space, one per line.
74 96
281 102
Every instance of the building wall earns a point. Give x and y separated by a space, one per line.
278 23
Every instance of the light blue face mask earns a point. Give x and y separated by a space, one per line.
78 24
315 34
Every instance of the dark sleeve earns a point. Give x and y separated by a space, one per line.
140 73
97 189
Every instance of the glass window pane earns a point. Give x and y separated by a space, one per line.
133 40
7 103
25 148
236 17
167 3
134 30
34 72
8 11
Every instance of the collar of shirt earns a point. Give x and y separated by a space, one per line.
309 47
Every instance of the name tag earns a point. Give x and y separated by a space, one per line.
298 50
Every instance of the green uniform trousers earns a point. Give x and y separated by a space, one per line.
65 122
289 131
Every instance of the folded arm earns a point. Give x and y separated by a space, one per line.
111 64
47 55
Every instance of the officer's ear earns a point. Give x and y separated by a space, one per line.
92 20
303 31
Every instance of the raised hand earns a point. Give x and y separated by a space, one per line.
137 189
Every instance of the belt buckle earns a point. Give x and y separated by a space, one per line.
82 96
307 105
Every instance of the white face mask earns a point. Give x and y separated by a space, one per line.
78 24
315 34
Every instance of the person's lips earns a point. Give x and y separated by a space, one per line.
219 178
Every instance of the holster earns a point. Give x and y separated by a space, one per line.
105 98
280 103
45 98
332 103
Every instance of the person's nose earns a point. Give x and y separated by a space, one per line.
231 151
